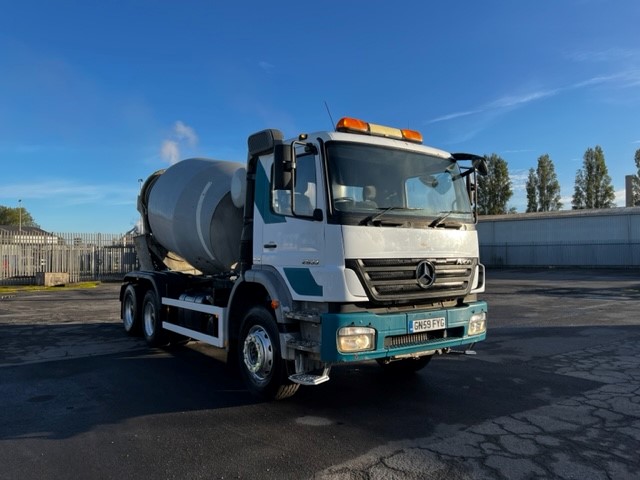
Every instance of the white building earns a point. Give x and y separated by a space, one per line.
568 238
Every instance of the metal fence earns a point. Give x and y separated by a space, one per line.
83 256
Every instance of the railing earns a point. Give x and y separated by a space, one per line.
85 257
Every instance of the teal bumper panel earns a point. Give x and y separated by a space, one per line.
393 335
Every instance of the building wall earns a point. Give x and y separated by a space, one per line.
577 238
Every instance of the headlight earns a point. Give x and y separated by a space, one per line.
478 323
356 339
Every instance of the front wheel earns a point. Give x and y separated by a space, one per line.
261 364
405 366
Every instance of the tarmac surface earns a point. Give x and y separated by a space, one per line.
554 392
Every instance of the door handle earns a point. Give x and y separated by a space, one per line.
270 245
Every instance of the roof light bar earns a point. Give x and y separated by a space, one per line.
353 125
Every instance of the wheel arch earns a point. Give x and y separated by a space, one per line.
257 287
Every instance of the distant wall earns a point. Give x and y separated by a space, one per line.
571 238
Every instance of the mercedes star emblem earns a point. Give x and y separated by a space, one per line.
425 274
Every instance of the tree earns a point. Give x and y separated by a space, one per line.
494 189
636 181
593 188
16 216
543 188
579 195
532 187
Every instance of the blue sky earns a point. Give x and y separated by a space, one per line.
96 95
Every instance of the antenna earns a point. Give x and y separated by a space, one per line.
329 112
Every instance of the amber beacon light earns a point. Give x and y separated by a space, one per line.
353 125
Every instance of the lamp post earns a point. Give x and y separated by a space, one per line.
20 216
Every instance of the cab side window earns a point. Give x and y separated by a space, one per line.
304 200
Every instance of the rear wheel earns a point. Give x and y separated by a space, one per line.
131 311
405 366
262 367
152 329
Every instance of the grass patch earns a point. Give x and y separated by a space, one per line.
5 289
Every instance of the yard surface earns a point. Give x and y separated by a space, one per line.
554 392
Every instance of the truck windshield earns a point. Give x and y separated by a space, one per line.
381 185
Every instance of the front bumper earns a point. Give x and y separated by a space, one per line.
393 337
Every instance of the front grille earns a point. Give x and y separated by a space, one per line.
423 338
395 278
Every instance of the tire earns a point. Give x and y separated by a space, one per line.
406 366
131 313
262 368
152 329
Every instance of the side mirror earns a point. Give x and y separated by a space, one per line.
282 167
478 163
428 180
263 143
481 166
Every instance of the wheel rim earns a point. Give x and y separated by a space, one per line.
149 319
129 313
258 354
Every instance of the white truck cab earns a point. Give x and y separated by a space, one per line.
356 244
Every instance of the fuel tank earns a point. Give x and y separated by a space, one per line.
188 209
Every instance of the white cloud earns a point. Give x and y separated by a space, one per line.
451 116
170 152
621 197
566 201
266 66
70 192
185 132
522 150
613 54
515 100
519 180
182 136
596 80
624 79
501 104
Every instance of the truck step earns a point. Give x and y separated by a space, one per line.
462 352
304 345
468 351
303 316
309 379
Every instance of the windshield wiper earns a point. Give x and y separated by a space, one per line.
372 219
440 220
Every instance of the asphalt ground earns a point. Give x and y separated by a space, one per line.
554 392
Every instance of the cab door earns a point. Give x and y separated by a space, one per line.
293 242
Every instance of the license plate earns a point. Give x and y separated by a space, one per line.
427 324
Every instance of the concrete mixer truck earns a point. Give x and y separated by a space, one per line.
332 247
